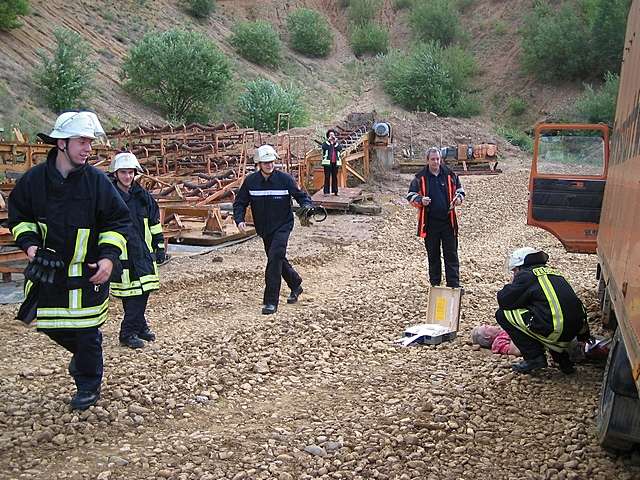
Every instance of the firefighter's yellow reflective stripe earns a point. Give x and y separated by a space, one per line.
552 299
73 312
27 287
124 255
23 227
147 234
133 292
515 318
113 238
61 322
43 232
155 229
79 252
75 298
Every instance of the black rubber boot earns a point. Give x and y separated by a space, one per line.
147 335
269 309
293 296
564 362
83 399
528 366
132 341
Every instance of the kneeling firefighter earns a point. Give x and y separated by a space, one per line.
145 249
539 310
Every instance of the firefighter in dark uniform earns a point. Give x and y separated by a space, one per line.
539 310
68 218
331 162
145 247
435 192
269 193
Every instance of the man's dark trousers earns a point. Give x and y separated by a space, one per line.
437 236
278 267
134 322
330 173
85 344
528 346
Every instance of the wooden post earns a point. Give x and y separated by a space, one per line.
365 146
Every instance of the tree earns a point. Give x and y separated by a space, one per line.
260 104
183 73
608 31
10 10
67 76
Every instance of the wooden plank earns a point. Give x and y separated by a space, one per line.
355 174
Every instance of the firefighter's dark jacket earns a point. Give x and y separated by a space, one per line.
144 239
84 220
419 188
270 200
526 292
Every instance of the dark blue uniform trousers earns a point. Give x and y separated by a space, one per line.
134 321
437 237
278 267
85 344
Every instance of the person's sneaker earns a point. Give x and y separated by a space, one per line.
83 399
293 296
269 309
528 366
147 335
132 341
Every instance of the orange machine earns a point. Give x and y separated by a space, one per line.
593 205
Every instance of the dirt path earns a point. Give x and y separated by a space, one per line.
317 390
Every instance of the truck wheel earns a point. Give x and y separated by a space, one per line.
616 412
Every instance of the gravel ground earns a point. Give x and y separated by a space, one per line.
317 390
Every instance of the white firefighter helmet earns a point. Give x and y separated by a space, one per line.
72 125
265 153
125 160
518 257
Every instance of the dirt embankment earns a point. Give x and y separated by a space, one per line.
317 390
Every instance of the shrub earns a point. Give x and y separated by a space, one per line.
201 8
66 76
369 38
468 105
430 78
599 105
517 106
10 10
183 73
517 137
435 20
263 100
362 12
555 44
258 42
309 32
464 5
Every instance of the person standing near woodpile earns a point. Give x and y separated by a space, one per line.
269 192
331 162
72 224
145 250
435 192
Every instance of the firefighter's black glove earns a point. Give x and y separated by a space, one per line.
43 267
584 335
304 215
161 256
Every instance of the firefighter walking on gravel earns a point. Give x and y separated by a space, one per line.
435 191
72 224
539 310
145 250
269 192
